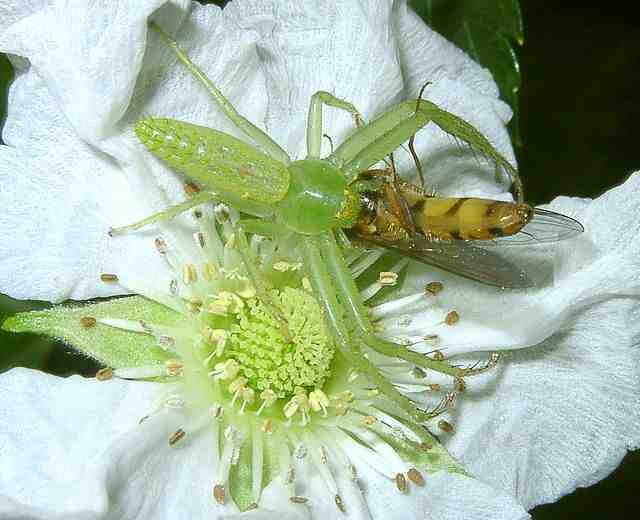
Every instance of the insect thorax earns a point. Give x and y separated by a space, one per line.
318 199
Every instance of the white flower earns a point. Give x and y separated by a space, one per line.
546 420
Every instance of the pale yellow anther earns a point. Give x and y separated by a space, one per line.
189 274
267 426
248 395
238 385
225 302
222 213
226 370
298 403
209 271
173 367
369 421
388 278
319 401
268 396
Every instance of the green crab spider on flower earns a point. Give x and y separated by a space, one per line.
311 199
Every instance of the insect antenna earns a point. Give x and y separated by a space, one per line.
412 149
330 141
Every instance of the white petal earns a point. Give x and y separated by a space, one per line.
346 48
88 53
459 85
563 414
74 448
53 229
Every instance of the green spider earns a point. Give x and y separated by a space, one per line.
311 199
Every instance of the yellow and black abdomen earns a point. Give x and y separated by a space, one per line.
469 218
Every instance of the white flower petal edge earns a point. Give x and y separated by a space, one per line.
373 54
561 414
91 73
88 456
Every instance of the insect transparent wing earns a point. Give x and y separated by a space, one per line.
461 258
545 227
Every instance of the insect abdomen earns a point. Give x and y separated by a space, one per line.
469 218
217 161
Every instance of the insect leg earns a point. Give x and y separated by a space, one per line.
347 346
167 214
314 122
261 138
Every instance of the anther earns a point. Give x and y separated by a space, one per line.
176 437
425 446
221 212
173 287
459 385
401 483
173 367
353 472
416 477
268 397
198 237
452 318
189 274
109 278
291 475
438 355
209 271
318 400
216 411
369 421
388 278
219 494
165 342
340 504
267 426
161 246
251 507
298 500
225 370
191 189
433 288
104 374
197 214
434 387
88 322
445 426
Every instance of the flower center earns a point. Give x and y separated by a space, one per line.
271 359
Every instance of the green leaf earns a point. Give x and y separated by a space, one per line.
486 30
6 75
113 347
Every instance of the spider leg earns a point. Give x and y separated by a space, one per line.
340 328
350 296
314 121
169 213
256 134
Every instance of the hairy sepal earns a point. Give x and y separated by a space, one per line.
113 347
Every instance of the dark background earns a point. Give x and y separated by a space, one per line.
579 102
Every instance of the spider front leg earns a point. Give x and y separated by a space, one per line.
356 311
314 121
346 343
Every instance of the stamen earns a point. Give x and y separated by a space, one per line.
433 288
88 322
219 494
416 477
173 367
298 499
268 397
109 278
319 401
388 278
161 246
445 426
401 483
452 318
225 370
209 271
340 504
198 238
189 274
104 374
176 437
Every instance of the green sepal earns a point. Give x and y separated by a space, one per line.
486 30
113 347
241 474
